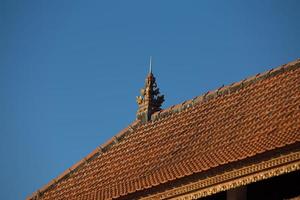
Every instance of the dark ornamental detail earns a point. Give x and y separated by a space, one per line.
150 100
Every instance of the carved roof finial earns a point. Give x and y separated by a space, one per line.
150 99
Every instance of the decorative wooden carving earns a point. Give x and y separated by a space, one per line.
229 180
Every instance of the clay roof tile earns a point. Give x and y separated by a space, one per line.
232 123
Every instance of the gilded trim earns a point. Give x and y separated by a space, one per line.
232 179
164 113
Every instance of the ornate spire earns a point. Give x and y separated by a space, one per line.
150 100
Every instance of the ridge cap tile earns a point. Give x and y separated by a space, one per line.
80 163
233 87
161 117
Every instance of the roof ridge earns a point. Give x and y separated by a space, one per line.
223 90
98 151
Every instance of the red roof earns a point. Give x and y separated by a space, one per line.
247 118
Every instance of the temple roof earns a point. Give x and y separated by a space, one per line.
233 123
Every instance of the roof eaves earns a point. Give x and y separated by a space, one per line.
223 90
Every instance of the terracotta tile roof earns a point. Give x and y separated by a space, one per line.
256 115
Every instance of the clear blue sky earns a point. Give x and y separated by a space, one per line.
70 70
